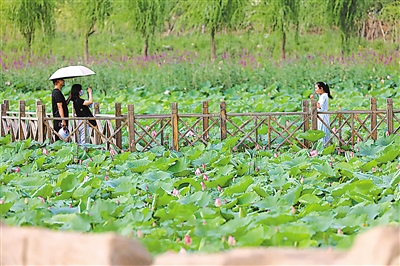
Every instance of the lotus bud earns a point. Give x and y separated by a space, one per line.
45 152
203 165
313 153
106 178
26 201
231 241
197 172
1 201
182 251
293 210
203 186
139 234
205 177
218 202
339 231
187 240
41 199
175 192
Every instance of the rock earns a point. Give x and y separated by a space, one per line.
378 246
34 246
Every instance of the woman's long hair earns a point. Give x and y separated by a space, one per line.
325 87
76 88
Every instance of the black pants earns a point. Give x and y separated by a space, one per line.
57 127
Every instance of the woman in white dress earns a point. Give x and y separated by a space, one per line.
322 89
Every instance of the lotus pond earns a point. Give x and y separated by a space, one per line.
203 198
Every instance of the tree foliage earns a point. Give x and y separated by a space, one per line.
345 14
145 17
29 16
278 16
89 15
214 15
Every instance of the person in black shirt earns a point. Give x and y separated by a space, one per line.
82 110
59 105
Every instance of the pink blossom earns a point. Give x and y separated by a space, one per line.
106 178
359 139
204 222
293 210
203 165
313 153
205 177
139 234
1 201
302 179
373 169
26 200
339 231
387 133
187 240
45 152
351 154
153 133
17 169
182 250
334 129
197 172
219 188
203 186
112 152
175 192
218 202
275 155
231 241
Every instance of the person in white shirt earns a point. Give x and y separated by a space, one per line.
322 89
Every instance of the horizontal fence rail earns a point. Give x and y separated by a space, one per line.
142 132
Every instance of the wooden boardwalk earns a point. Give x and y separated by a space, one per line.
269 130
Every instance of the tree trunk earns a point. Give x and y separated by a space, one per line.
87 47
283 47
28 42
145 51
213 49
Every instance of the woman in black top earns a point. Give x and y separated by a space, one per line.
82 110
59 106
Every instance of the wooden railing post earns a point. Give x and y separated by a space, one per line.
175 129
306 125
314 115
96 111
40 125
389 115
131 128
222 113
373 118
205 120
6 108
21 104
118 135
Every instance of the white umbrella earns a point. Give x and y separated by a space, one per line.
71 72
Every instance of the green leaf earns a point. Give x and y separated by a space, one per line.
312 135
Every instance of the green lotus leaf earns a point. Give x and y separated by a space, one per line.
309 199
253 237
208 158
139 166
388 156
311 135
239 187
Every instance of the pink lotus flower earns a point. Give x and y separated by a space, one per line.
313 153
139 234
45 152
175 192
231 241
204 222
182 250
219 188
293 210
106 178
17 169
205 177
275 155
153 133
373 169
112 152
302 180
218 202
203 165
339 231
387 133
197 172
187 240
1 201
359 139
334 129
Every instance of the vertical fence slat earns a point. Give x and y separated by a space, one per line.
175 129
306 125
205 120
314 115
21 105
389 115
39 117
131 127
6 108
222 114
373 118
269 132
118 135
96 111
353 131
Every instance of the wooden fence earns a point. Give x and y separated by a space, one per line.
269 130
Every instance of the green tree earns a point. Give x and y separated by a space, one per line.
278 16
88 16
345 14
29 16
214 15
146 16
390 13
